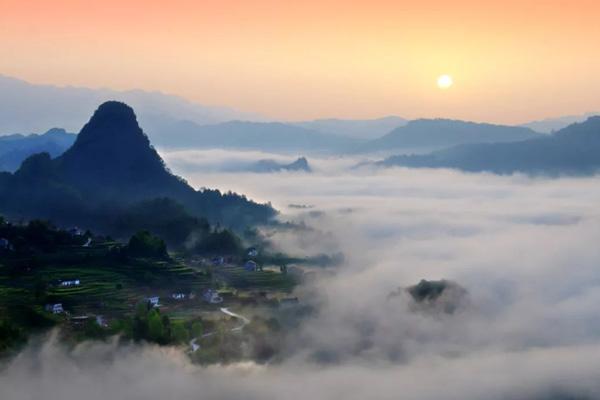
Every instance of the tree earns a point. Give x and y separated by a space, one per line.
163 216
156 328
178 332
144 244
221 241
197 329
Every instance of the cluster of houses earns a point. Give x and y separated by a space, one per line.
211 296
56 308
249 265
154 301
183 296
219 261
78 320
72 282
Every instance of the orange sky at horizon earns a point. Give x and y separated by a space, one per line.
511 61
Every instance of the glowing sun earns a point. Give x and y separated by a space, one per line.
445 81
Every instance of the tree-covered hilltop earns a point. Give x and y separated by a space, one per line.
110 167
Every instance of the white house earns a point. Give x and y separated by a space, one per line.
250 266
73 282
217 261
212 296
75 231
101 321
153 300
55 308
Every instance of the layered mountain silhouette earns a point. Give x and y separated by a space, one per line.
435 134
112 165
16 148
550 125
574 150
245 135
69 107
367 129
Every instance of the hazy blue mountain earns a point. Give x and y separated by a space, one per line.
110 166
357 128
440 133
265 136
26 107
265 166
16 148
572 150
550 125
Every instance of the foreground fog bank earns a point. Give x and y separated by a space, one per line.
101 371
524 250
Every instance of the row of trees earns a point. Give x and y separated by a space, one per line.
150 325
37 236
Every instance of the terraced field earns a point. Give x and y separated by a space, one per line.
112 285
268 280
107 285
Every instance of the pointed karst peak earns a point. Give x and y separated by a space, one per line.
112 128
113 118
112 148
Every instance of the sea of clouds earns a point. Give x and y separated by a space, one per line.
525 249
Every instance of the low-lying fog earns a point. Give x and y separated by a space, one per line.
526 251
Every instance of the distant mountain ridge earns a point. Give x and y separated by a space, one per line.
440 133
27 107
17 147
244 135
550 125
574 150
112 165
366 129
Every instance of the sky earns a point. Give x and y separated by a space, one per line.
511 61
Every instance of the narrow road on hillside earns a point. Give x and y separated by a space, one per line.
244 321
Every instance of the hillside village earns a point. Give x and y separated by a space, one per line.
92 286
